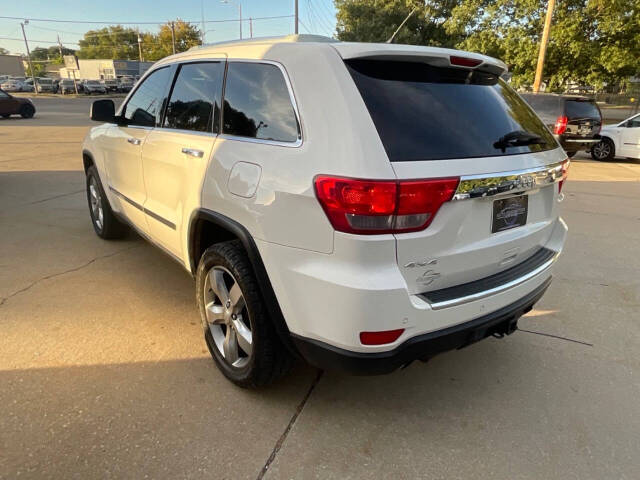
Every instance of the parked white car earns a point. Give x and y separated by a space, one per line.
620 140
358 205
12 86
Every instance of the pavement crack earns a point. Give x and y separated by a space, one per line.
54 275
284 435
556 336
53 198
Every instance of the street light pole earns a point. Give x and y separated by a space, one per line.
173 37
140 48
26 44
240 14
543 46
295 28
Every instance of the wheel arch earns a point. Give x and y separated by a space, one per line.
206 228
87 160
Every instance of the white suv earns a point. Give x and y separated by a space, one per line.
357 205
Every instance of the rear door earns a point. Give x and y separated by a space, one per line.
583 118
437 122
175 156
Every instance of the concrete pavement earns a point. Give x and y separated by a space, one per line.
104 373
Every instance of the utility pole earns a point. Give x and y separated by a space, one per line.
60 47
251 27
173 37
296 15
203 27
140 47
543 46
26 44
240 14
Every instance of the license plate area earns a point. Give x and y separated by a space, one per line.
509 213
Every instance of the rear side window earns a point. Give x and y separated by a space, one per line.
576 109
194 103
422 112
145 105
257 103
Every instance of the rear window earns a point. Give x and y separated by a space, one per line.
422 112
575 109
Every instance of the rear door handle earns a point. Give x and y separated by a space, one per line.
134 141
193 152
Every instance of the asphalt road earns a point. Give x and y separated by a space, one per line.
104 372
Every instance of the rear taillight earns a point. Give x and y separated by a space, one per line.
561 125
565 173
372 207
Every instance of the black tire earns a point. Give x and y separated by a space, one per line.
27 111
107 227
603 151
269 359
6 115
571 154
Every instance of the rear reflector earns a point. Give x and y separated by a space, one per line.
382 206
561 125
565 173
380 338
464 61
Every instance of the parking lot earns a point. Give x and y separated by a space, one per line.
104 372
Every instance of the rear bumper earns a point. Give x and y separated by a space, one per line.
578 144
501 322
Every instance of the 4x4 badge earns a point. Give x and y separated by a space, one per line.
422 263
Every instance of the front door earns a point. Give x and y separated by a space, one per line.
630 138
123 152
8 104
175 157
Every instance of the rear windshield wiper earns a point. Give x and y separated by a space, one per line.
518 138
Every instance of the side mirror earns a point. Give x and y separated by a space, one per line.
103 111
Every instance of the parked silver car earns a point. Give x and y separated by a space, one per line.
93 86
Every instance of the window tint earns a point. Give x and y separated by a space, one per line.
257 103
581 109
424 112
195 98
3 95
145 106
633 123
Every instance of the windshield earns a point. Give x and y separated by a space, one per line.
422 112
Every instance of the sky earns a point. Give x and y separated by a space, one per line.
316 16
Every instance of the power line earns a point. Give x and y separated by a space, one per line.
38 41
102 22
321 15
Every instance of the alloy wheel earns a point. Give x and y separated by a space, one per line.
96 203
602 150
227 318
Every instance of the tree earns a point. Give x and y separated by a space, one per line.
376 20
159 46
113 42
591 41
52 53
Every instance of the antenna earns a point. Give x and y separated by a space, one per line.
401 25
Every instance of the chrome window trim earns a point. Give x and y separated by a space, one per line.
487 185
292 99
493 291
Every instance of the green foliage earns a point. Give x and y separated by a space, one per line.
376 20
121 43
52 53
592 42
